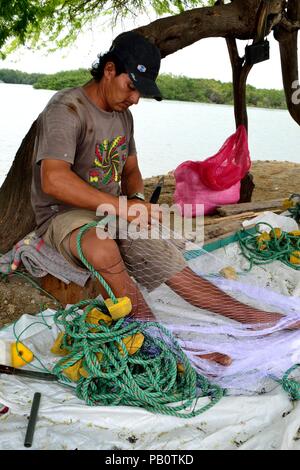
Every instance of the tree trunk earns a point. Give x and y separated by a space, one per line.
239 80
16 214
240 72
286 34
236 19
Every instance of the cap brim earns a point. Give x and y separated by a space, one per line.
146 86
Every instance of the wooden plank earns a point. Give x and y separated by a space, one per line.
243 215
232 209
220 229
228 218
70 293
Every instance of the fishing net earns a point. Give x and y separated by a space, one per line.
239 333
200 324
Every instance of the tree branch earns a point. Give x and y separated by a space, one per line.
288 45
289 26
236 19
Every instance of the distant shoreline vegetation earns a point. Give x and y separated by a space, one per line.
173 87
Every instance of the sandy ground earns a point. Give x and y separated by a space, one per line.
273 180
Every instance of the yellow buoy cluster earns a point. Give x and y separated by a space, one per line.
95 316
264 240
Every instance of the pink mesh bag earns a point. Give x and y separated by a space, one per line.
216 180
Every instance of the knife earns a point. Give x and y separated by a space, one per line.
28 373
156 193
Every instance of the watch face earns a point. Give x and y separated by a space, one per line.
137 196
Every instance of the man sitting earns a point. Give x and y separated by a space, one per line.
84 151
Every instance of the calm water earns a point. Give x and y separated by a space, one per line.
166 133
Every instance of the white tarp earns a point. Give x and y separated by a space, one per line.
269 421
263 422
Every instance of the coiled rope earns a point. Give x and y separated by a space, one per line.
280 246
156 377
151 378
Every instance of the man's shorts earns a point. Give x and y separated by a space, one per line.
150 262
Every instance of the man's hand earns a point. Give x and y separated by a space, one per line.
60 182
142 213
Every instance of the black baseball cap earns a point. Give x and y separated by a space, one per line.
141 60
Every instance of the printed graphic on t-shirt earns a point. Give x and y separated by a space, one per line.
109 161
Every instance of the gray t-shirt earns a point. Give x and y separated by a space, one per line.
96 143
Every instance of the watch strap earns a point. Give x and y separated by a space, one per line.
137 196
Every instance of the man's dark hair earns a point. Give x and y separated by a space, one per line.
97 70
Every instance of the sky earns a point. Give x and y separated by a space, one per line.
207 58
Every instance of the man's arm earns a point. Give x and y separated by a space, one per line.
131 179
59 181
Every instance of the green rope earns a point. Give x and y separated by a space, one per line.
291 386
5 277
265 252
278 248
144 379
35 284
18 341
88 265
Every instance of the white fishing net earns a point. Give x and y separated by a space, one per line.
240 333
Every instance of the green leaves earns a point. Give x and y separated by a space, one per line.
182 88
62 80
55 24
15 18
178 88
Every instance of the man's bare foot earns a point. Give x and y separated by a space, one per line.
261 325
222 359
294 326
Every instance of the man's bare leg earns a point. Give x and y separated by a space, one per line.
203 294
104 256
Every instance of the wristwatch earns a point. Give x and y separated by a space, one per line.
137 196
